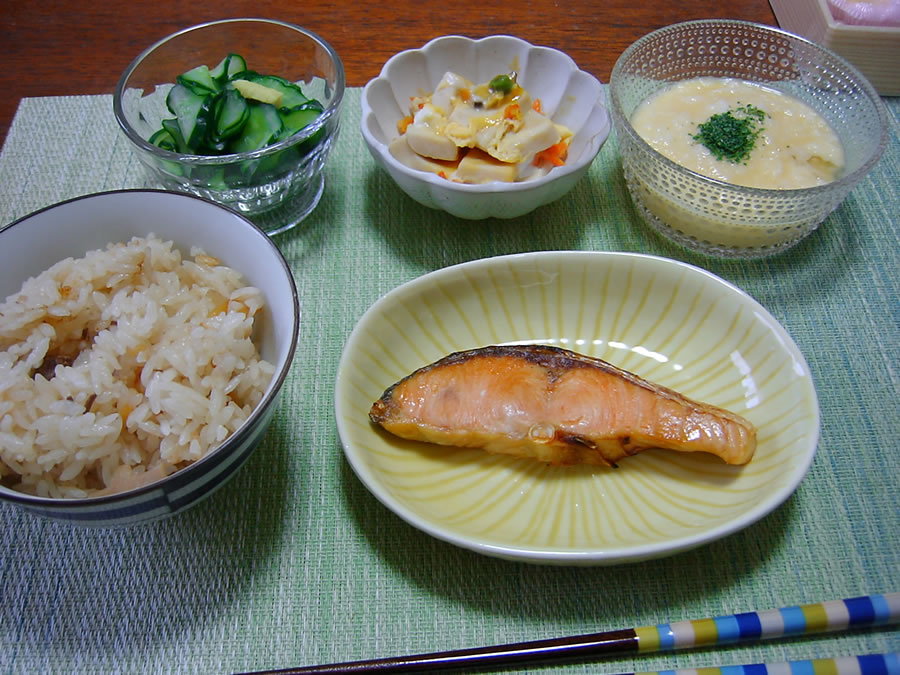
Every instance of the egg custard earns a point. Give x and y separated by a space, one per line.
783 144
482 133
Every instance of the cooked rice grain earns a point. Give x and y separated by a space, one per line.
123 366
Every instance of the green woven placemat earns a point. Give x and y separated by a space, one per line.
294 562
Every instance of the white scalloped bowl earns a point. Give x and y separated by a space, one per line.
568 95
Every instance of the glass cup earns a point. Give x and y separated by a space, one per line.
276 186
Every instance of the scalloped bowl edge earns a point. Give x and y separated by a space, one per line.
590 122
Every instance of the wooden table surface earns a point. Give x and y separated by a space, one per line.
64 47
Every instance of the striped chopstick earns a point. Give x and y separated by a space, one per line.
869 664
835 615
869 610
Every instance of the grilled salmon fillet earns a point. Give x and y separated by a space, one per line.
554 405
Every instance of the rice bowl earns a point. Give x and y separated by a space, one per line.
139 371
122 366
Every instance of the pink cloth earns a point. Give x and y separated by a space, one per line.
866 13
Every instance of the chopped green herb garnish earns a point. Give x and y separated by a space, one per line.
502 83
731 135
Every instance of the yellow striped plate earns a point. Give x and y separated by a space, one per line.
664 320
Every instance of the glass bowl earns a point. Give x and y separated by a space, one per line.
277 186
719 218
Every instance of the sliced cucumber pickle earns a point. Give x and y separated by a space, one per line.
216 112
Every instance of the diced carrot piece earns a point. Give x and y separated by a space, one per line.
555 154
536 104
512 112
403 124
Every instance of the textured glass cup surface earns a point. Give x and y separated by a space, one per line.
719 218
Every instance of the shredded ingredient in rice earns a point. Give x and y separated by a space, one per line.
121 367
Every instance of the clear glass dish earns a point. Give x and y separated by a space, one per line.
277 186
719 218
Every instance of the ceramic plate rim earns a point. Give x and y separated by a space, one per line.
571 557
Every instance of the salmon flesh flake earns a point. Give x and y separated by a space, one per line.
556 406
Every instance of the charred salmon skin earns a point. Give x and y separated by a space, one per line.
554 405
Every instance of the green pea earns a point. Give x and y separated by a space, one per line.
502 83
